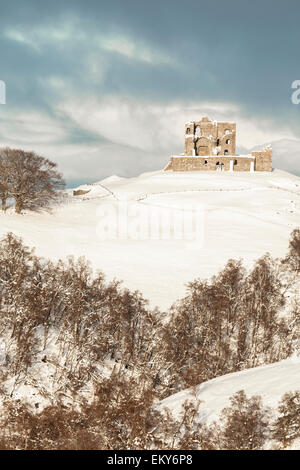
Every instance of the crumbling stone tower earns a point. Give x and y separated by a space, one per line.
208 137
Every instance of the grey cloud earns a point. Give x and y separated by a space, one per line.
245 53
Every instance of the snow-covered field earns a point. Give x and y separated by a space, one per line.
243 215
239 215
271 382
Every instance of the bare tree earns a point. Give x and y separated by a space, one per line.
293 256
245 423
33 180
5 176
287 425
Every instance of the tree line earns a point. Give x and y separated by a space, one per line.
93 338
119 417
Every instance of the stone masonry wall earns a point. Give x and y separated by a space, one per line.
263 160
210 146
208 137
209 164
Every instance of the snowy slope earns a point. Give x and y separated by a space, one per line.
271 382
244 215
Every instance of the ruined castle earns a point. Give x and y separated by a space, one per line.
210 145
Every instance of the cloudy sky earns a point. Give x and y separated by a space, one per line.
105 87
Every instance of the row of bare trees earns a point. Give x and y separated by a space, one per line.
60 321
224 325
31 180
230 323
121 416
92 321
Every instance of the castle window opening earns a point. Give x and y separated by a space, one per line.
228 141
235 162
226 152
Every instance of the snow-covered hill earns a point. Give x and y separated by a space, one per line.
244 216
271 382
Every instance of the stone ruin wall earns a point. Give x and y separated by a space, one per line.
263 160
208 137
211 146
209 164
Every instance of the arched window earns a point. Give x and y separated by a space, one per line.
235 162
226 152
188 130
205 162
228 141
